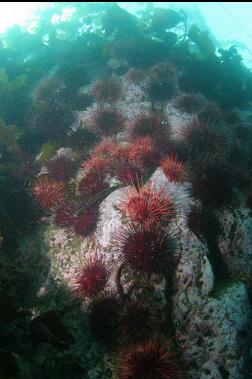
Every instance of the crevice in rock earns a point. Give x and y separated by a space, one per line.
219 267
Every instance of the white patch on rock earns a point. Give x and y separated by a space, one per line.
110 220
179 193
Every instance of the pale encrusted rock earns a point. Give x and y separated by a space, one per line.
110 220
210 330
179 193
235 243
66 152
216 334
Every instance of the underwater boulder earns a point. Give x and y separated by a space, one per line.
216 333
235 243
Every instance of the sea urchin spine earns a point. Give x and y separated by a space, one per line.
147 206
173 169
49 192
92 278
148 251
149 360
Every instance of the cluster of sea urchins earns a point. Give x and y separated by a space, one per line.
144 245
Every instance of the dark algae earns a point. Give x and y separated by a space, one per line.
125 197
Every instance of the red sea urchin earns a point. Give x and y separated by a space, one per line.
135 75
145 250
49 192
103 319
201 140
85 223
149 124
107 90
107 121
61 168
202 223
148 360
96 163
147 206
126 171
188 103
152 125
173 169
92 278
92 184
138 321
105 147
212 112
212 184
144 150
63 215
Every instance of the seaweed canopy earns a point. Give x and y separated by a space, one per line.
119 23
164 19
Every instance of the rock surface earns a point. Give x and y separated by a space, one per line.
235 243
212 321
215 332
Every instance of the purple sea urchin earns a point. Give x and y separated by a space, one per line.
188 103
103 318
148 360
145 250
138 321
107 90
107 121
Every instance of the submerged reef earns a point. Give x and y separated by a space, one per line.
125 198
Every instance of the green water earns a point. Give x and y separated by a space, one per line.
125 190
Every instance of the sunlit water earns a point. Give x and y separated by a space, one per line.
229 22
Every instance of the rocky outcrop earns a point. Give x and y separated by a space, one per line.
235 243
212 321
